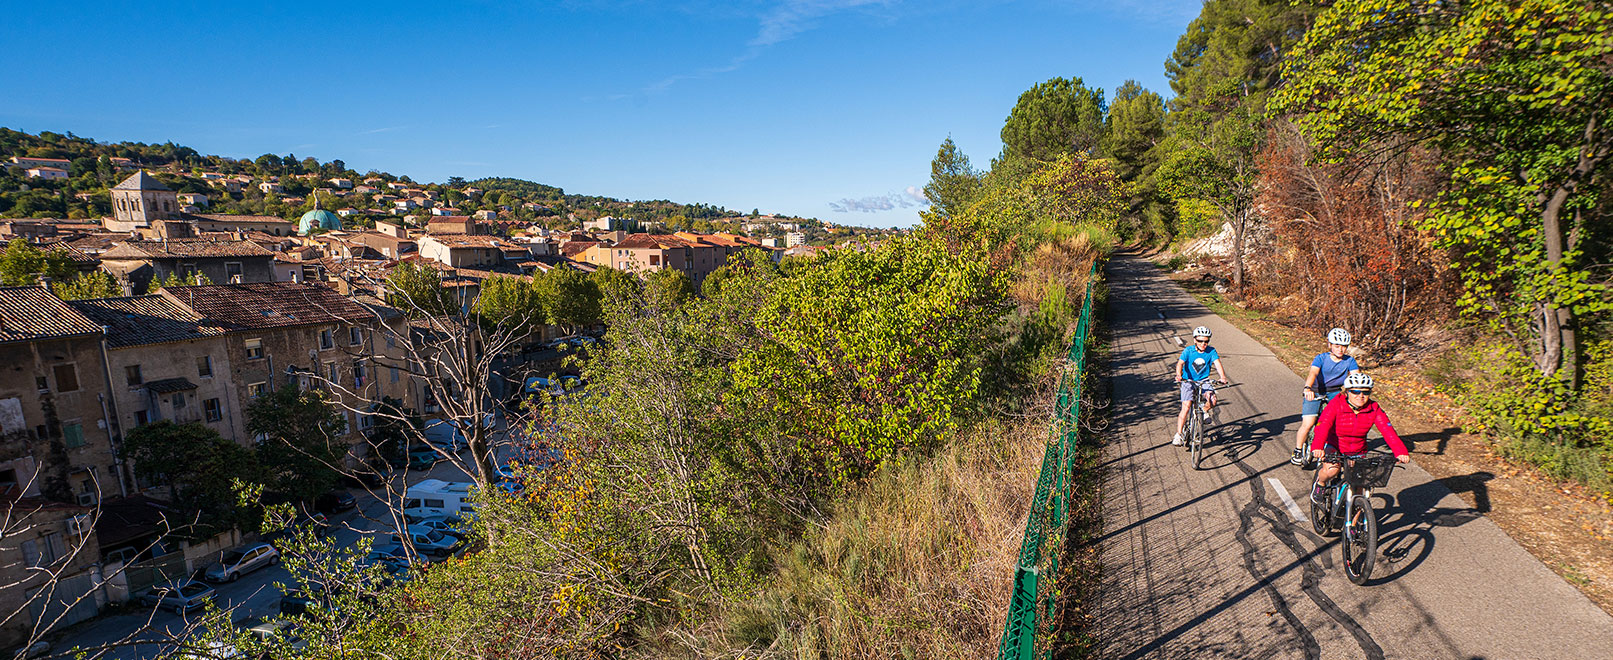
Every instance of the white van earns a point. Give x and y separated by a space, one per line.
435 497
442 434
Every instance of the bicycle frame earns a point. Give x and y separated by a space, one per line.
1347 493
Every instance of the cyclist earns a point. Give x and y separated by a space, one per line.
1194 364
1327 373
1344 424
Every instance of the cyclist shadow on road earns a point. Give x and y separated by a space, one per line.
1406 527
1238 439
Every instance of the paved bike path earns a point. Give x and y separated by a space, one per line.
1213 563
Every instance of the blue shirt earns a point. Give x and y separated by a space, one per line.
1196 370
1333 371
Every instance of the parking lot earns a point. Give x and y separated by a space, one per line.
254 594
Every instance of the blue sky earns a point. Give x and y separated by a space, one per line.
819 108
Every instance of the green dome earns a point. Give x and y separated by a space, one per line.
318 219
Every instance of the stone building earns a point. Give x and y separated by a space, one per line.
57 437
49 560
167 363
697 255
135 264
283 333
140 202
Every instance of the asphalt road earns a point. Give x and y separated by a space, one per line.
1215 563
254 595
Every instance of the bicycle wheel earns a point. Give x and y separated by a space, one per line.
1360 541
1192 428
1197 442
1321 518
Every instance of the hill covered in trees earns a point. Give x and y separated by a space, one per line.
95 166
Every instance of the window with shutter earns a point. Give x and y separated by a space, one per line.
73 435
66 378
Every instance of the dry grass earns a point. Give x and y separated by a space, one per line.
917 565
1051 266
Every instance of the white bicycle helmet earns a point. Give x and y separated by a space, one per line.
1201 331
1357 381
1338 336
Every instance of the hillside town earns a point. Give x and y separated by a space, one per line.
216 311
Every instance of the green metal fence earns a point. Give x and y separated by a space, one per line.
1028 631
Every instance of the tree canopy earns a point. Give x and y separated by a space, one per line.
1059 116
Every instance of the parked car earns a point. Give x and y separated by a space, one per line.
423 457
366 475
450 527
241 561
181 597
335 501
275 631
442 433
389 555
297 602
428 541
310 520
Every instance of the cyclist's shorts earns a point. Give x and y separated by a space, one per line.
1314 408
1187 390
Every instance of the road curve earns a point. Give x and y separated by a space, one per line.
1213 563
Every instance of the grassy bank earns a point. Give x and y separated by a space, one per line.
918 562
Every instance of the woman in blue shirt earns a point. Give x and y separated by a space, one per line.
1322 383
1194 364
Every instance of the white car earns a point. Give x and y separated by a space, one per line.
442 524
241 561
429 541
181 597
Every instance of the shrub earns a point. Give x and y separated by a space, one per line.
1344 241
1540 419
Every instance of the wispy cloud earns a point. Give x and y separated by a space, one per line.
793 17
386 129
781 23
906 199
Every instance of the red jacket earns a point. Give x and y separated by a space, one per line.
1347 428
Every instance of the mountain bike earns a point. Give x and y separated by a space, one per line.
1197 419
1349 510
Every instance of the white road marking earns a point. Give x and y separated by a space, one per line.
1293 507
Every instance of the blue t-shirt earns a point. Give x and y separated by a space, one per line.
1333 372
1195 369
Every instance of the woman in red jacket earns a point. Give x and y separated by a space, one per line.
1344 424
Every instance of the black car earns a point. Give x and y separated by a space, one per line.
296 602
363 476
277 530
335 501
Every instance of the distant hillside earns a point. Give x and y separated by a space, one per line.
292 183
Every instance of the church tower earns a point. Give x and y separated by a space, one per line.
142 201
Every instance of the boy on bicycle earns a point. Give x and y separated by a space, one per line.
1194 365
1345 423
1322 383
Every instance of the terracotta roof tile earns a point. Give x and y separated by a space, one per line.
142 320
224 217
641 241
185 248
574 248
473 241
29 313
261 305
